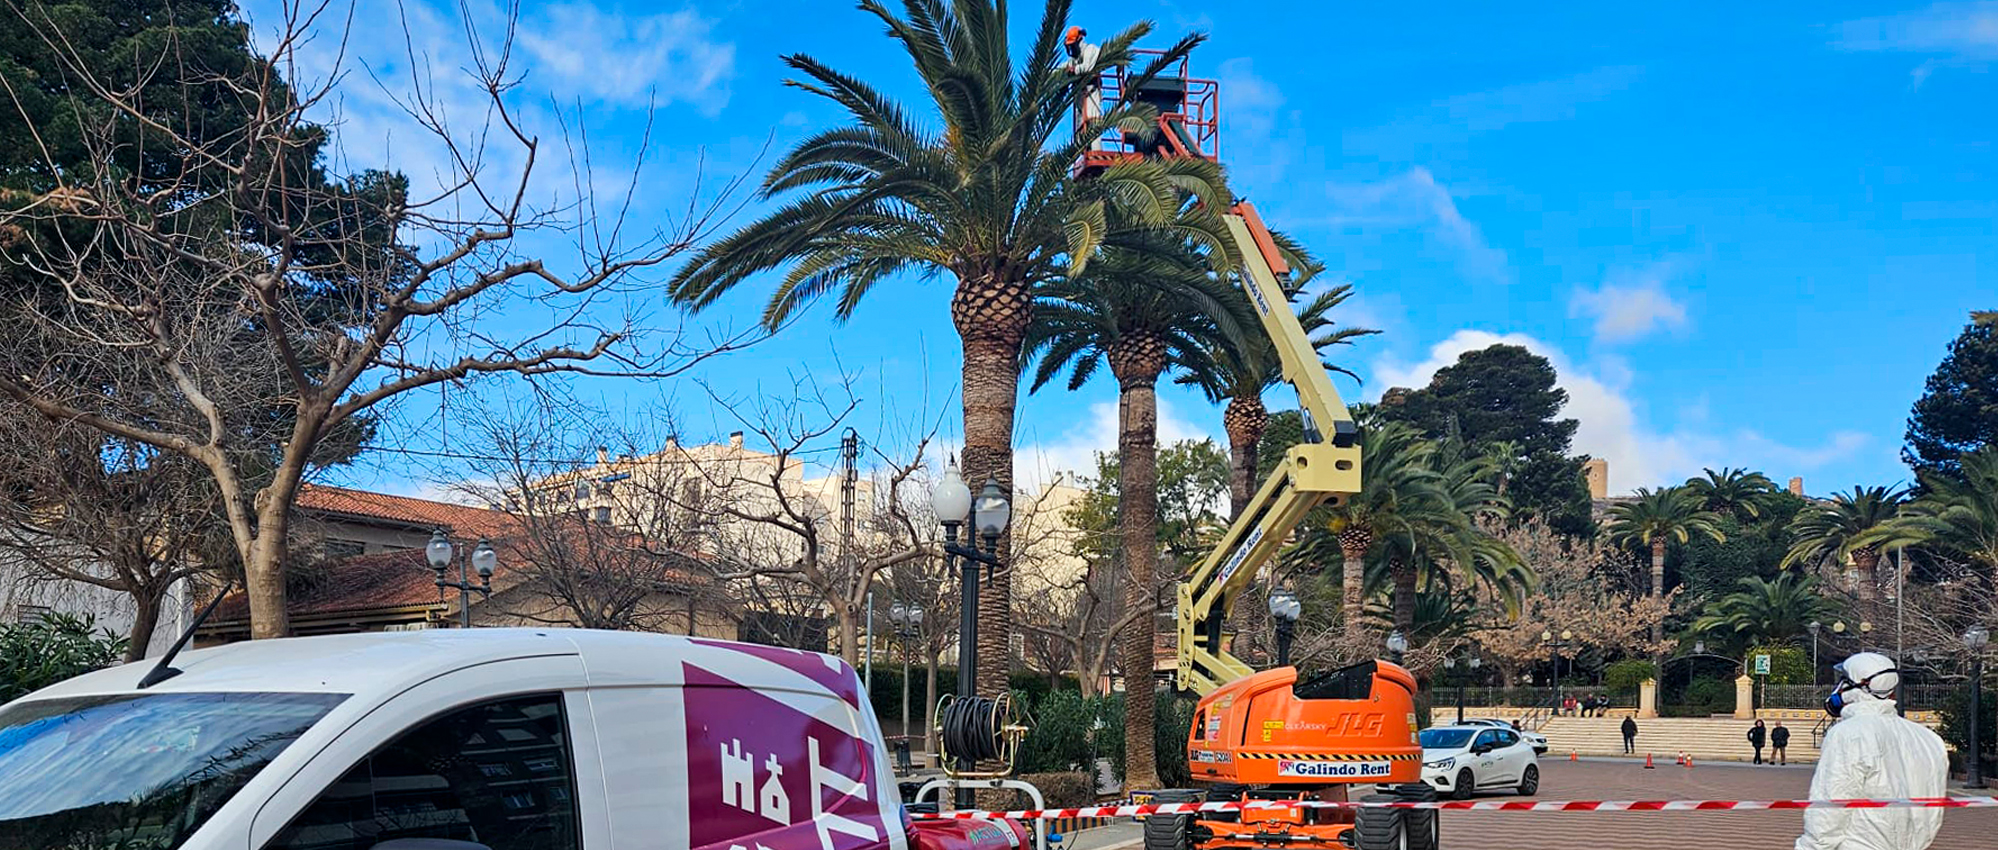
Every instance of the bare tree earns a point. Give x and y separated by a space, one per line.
243 256
577 566
77 506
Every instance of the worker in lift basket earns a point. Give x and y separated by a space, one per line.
1082 63
1873 753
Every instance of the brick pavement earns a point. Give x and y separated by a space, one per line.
1963 829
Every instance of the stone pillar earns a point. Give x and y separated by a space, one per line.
1647 699
1744 697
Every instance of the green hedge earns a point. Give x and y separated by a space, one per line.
38 654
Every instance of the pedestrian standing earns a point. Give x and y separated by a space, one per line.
1757 736
1629 736
1779 742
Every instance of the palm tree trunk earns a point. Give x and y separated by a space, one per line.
1244 419
1353 546
1138 509
991 319
1865 560
1404 594
1657 583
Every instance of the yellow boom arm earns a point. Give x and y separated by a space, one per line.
1325 467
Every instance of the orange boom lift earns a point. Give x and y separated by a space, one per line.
1271 735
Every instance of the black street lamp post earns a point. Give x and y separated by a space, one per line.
989 512
1814 626
482 559
1284 609
1554 648
1975 640
1470 669
908 622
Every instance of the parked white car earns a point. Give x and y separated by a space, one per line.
1534 739
1462 760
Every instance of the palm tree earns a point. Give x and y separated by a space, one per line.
1239 374
1846 527
1141 312
1957 516
1768 610
1653 521
985 198
1507 460
1734 492
1401 497
1450 546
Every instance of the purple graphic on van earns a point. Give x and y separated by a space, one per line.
762 774
829 672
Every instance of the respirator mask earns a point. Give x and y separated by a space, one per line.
1836 702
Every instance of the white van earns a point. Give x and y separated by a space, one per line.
505 739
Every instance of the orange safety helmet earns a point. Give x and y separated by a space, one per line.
1074 36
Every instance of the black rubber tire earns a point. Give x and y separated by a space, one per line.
1378 828
1423 830
1529 781
1168 832
1467 784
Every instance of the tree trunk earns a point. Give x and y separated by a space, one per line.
1657 583
848 621
1138 510
1865 560
1353 546
263 575
1404 595
145 619
991 320
1244 420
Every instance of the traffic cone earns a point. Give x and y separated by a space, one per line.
1571 756
1689 761
1647 762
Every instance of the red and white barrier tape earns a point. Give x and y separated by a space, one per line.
1481 806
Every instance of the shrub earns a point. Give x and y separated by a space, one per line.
1064 790
1956 720
1624 677
1171 726
1788 665
38 654
1707 696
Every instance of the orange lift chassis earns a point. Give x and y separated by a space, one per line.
1270 734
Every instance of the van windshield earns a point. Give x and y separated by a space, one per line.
136 771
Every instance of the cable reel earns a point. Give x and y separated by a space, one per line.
971 730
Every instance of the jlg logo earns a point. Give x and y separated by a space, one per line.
1359 724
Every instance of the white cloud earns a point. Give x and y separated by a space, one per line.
590 54
1630 304
1950 33
1613 428
1412 200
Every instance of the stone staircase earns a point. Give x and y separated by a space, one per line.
1704 738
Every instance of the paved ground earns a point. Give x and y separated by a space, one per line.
1963 829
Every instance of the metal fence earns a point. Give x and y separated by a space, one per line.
1911 697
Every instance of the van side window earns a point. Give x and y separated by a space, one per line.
498 774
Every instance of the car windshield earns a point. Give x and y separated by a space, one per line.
136 771
1446 739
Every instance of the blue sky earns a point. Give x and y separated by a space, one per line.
1743 232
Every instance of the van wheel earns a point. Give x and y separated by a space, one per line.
1168 832
1529 781
1376 828
1467 784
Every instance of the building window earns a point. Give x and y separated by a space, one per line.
332 549
602 515
32 613
582 490
498 774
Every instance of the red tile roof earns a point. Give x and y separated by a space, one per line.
387 580
404 510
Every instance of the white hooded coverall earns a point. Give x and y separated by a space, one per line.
1873 753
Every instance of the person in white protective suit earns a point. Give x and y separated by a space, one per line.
1872 752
